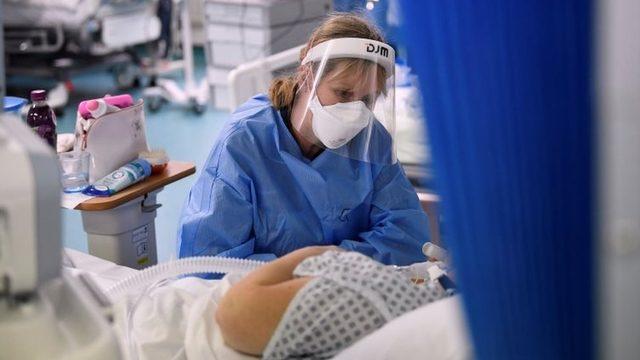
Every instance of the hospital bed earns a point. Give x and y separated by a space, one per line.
57 307
170 321
51 38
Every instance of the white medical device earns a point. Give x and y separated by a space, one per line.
30 231
43 313
431 250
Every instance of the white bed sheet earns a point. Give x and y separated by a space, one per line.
171 322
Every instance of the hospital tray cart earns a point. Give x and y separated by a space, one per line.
121 227
240 31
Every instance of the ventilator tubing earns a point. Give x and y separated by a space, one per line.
186 266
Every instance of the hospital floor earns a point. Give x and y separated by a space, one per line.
185 136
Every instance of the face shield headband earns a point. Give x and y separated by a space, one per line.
374 51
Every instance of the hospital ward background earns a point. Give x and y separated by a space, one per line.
170 166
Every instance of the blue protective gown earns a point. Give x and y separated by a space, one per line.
259 197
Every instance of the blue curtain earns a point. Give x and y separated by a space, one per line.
506 88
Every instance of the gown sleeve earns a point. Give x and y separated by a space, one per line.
399 226
217 218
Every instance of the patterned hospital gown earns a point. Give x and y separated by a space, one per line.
350 296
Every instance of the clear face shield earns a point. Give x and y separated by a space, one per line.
345 101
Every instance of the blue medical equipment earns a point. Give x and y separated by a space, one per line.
259 195
13 104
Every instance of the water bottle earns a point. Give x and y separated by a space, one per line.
41 118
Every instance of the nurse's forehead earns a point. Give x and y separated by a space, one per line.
352 83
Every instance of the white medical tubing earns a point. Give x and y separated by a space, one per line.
185 266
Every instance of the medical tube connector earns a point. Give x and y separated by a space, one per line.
185 266
433 251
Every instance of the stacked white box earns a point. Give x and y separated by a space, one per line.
232 45
264 13
239 31
217 78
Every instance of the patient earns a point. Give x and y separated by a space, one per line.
314 302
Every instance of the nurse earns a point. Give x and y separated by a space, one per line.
312 163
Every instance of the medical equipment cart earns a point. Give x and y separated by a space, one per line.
121 227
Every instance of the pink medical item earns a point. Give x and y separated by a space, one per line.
119 101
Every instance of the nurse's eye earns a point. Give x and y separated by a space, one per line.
344 95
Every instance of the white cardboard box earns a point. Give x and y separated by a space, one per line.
259 36
218 75
231 45
220 96
264 13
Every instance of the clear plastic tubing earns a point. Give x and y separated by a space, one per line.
185 266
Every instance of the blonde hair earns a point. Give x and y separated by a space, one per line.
338 25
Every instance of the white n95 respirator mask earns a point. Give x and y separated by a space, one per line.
348 69
335 125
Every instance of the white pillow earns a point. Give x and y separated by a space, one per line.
434 331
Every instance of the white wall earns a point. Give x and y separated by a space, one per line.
618 97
